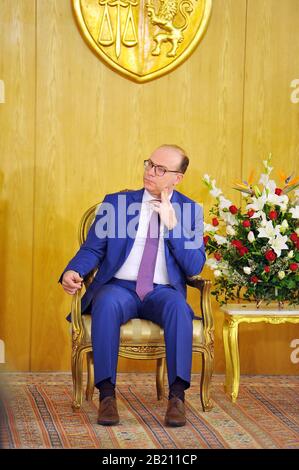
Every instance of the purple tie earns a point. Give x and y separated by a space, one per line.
145 277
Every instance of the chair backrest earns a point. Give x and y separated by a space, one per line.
84 226
86 222
88 218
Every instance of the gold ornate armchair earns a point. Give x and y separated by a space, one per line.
139 339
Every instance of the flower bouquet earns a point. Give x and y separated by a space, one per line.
254 251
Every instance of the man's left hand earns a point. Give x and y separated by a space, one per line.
165 210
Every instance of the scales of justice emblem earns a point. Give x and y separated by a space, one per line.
129 36
143 39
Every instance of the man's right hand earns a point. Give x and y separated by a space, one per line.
71 282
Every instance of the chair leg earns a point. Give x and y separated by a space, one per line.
77 374
160 373
90 376
73 365
206 375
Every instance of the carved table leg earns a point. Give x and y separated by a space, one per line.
232 342
232 361
228 361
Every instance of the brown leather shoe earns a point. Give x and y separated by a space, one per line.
175 414
108 414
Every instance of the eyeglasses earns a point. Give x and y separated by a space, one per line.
159 170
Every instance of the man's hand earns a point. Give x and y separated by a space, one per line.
71 282
165 210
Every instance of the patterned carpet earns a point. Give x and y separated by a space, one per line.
38 415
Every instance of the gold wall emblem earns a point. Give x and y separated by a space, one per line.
143 39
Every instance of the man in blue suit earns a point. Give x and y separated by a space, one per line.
145 244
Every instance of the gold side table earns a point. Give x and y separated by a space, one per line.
247 313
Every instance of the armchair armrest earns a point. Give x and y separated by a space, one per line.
204 286
76 318
77 325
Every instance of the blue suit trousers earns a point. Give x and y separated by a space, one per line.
116 302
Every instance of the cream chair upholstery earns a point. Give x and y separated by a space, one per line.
140 339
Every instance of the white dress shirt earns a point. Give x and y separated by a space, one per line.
129 270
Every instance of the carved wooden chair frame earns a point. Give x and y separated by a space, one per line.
82 347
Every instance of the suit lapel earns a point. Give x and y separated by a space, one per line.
175 198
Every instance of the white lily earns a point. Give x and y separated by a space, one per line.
215 192
271 186
217 273
295 212
268 184
268 231
210 228
276 200
264 179
279 243
247 270
212 263
263 221
224 266
257 205
224 203
230 230
220 240
228 217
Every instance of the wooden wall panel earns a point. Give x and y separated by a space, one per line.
270 125
72 130
95 128
17 128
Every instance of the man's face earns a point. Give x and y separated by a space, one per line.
169 159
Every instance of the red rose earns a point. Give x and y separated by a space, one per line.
293 266
237 243
215 221
278 191
270 255
233 209
246 223
267 269
218 256
243 251
250 212
294 237
273 215
206 238
254 279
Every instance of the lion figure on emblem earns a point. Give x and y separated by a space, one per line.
164 19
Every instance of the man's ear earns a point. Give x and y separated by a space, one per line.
179 177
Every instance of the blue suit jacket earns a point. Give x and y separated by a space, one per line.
109 253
